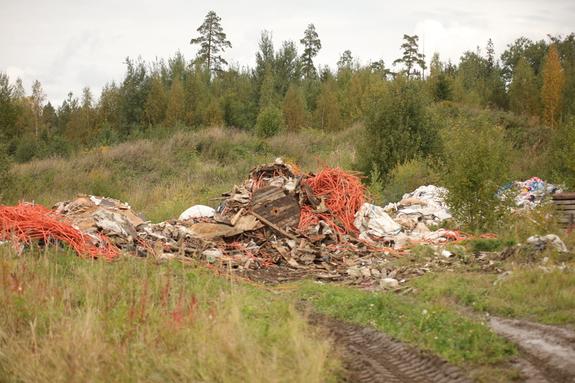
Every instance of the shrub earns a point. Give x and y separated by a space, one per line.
407 177
5 175
398 127
375 186
474 166
562 158
26 149
269 121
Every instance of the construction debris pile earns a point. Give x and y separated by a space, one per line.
316 224
25 223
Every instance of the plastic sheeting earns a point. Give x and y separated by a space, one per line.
197 211
426 204
373 220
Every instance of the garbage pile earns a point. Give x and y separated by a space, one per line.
98 215
317 224
26 223
425 204
408 221
528 194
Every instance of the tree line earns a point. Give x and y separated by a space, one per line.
286 91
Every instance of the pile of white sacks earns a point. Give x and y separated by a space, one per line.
407 220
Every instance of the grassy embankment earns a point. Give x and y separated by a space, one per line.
162 178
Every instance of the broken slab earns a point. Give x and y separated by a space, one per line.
209 231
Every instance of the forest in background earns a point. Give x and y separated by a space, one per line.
516 109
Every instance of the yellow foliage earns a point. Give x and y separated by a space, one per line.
553 84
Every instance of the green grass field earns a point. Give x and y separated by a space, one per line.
68 319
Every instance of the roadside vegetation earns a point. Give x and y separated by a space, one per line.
68 319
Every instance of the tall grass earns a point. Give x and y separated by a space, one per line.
163 177
64 319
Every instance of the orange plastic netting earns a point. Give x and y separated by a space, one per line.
343 193
26 223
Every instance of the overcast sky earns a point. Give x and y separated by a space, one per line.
69 44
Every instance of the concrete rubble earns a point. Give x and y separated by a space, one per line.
543 242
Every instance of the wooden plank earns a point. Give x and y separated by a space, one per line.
564 202
276 228
565 208
314 201
275 206
563 196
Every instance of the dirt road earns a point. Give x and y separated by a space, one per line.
548 352
370 356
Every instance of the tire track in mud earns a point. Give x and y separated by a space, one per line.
370 356
548 351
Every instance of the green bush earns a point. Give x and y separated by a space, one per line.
375 186
26 149
485 244
269 121
562 150
5 175
398 126
474 166
406 177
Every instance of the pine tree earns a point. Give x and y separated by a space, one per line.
345 60
523 89
293 108
379 67
312 45
490 50
212 41
553 83
411 56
